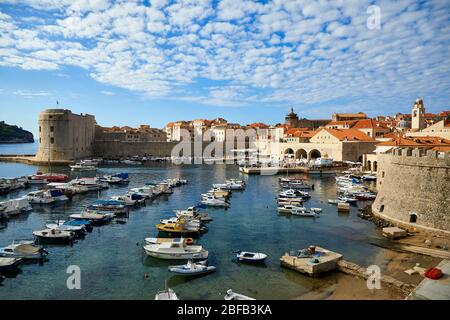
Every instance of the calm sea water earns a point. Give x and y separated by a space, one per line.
113 264
19 148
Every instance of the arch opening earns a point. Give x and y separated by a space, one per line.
301 154
314 154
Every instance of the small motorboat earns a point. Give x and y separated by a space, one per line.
54 236
192 269
230 296
93 216
46 196
130 199
77 230
115 206
8 264
15 207
168 294
316 210
333 201
23 249
175 250
288 208
343 207
251 257
214 202
82 167
303 212
119 178
369 177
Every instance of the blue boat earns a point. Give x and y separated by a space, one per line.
82 222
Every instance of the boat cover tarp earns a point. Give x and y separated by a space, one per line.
27 248
56 193
122 175
108 202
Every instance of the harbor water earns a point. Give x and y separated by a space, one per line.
114 266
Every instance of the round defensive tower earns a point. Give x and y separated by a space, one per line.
64 136
413 188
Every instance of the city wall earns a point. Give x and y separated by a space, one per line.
414 188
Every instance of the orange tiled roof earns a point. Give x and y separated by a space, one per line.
258 125
349 135
350 123
416 142
365 124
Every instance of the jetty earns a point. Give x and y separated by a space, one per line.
314 263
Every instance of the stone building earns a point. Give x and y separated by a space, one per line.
417 115
413 188
64 136
348 116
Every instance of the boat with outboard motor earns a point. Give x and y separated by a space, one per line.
175 250
24 249
46 196
192 269
230 296
54 236
250 257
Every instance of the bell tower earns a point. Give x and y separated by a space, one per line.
417 118
291 119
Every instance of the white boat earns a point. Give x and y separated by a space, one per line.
54 235
46 196
316 210
7 264
87 185
288 208
93 216
230 296
175 250
193 213
130 199
251 257
59 225
23 249
168 294
15 207
82 167
229 186
343 206
192 269
214 202
333 201
146 192
303 212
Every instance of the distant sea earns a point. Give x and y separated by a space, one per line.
18 148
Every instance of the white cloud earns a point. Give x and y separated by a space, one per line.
107 93
30 93
283 51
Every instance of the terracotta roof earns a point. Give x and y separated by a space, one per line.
300 132
350 123
349 135
365 124
416 142
444 148
258 125
352 115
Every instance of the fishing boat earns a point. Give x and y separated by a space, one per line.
214 202
115 206
303 212
84 185
192 269
24 249
230 296
175 250
187 223
177 228
45 178
119 178
288 208
219 193
93 216
130 199
15 207
291 193
146 192
46 196
54 236
77 230
251 257
168 294
192 212
8 264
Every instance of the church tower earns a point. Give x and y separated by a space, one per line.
291 119
417 118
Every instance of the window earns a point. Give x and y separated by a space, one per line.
40 129
52 129
413 218
52 140
382 208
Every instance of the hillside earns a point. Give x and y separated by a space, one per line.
14 134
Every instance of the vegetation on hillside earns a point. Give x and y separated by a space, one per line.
14 134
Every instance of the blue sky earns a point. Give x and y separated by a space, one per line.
151 62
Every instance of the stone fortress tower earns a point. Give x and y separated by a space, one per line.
417 116
413 188
291 119
64 136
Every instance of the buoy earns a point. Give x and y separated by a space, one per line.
137 243
189 241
